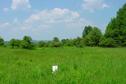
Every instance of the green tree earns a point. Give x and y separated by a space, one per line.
48 44
1 41
94 37
86 31
78 42
64 42
56 39
27 43
15 43
56 42
107 42
116 29
42 44
67 42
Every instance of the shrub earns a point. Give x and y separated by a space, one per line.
78 42
27 43
56 42
107 42
42 44
93 38
15 43
1 41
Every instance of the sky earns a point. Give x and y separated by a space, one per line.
45 19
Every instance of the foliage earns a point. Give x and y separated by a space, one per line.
42 44
93 38
56 42
78 42
67 42
86 31
26 43
1 41
56 39
107 42
116 29
15 43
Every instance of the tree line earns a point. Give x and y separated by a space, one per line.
114 36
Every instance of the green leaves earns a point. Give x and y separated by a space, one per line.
93 38
27 43
116 29
1 41
86 30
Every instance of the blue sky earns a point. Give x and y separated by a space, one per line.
45 19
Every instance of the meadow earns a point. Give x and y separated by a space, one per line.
76 66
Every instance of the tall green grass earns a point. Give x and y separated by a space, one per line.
76 66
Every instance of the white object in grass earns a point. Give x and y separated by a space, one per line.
54 68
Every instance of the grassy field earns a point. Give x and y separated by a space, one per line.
76 66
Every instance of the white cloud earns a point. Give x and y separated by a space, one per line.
15 20
4 24
5 9
55 22
47 24
105 6
92 5
55 15
20 4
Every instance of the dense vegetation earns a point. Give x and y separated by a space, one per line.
114 36
116 29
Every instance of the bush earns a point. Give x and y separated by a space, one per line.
78 42
15 43
86 31
56 42
93 38
124 44
26 43
1 41
67 42
107 42
42 44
